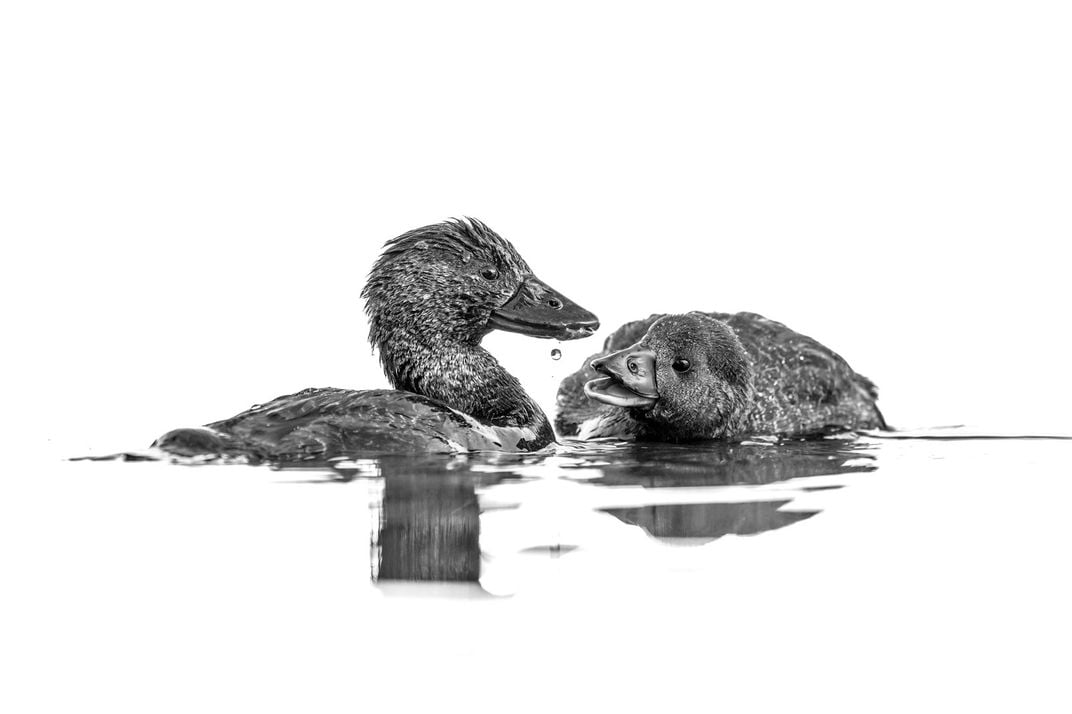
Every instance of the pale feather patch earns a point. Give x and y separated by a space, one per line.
504 438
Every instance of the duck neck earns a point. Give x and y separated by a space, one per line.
465 377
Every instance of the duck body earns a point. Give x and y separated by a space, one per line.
432 296
321 424
746 375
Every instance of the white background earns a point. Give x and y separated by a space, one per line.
194 193
191 195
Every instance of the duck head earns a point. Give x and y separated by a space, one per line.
457 281
688 378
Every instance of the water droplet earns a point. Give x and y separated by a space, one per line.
556 353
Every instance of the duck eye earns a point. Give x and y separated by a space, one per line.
681 365
490 273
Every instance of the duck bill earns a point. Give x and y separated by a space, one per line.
630 380
538 310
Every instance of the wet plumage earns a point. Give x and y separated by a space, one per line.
746 375
431 297
325 423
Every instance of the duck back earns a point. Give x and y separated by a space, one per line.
319 424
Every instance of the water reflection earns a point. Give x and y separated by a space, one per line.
427 518
703 522
722 464
428 528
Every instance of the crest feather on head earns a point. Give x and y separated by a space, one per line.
459 236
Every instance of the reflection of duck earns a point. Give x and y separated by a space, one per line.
728 463
431 297
428 519
703 522
715 375
429 526
724 463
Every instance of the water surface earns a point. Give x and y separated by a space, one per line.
867 574
428 511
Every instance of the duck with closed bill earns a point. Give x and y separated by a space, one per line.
714 376
432 296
